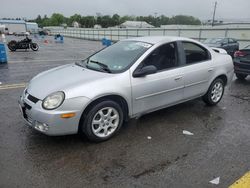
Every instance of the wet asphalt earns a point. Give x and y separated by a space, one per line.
220 146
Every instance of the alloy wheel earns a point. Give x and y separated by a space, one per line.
105 122
217 92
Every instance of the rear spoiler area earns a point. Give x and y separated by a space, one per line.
219 50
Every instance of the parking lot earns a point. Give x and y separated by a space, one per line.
151 151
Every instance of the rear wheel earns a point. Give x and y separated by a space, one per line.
34 46
12 45
215 92
241 76
103 121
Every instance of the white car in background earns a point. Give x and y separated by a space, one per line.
128 79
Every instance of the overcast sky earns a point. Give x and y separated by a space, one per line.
202 9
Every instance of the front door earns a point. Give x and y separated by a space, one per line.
163 88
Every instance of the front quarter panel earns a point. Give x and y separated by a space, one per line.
114 84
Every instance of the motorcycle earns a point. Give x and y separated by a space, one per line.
23 44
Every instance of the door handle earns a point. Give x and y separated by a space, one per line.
178 78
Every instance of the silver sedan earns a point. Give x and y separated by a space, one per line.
126 80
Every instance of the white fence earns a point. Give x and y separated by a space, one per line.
241 34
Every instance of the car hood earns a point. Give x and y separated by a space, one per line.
61 79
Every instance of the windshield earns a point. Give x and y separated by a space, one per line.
118 57
213 41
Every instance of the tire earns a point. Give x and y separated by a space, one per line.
34 46
241 76
215 92
108 116
12 45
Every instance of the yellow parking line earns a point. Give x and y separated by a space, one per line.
12 86
243 182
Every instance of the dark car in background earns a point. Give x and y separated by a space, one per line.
43 31
228 44
242 63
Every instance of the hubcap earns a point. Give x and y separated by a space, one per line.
105 122
217 92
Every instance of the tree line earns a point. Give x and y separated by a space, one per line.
110 21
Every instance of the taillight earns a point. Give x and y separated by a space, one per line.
239 54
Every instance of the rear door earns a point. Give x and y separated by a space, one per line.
198 69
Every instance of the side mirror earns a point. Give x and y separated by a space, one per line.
151 69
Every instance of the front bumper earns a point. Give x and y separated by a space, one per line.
50 122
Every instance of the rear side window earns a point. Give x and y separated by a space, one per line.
195 53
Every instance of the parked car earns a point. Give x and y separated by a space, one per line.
229 44
242 63
125 80
43 32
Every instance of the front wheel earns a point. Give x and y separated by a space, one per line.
215 92
34 46
103 121
241 76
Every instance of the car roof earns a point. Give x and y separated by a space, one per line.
159 39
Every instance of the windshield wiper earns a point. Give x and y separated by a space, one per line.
103 66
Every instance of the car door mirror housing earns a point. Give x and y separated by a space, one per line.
151 69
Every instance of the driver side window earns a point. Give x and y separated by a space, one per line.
163 57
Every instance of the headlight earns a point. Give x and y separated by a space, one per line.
53 101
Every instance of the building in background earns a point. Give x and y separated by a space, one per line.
135 24
75 24
222 26
32 27
14 26
97 26
229 22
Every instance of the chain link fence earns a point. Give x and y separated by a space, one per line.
114 34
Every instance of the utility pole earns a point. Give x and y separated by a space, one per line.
156 14
155 18
215 5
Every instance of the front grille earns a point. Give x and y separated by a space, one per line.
32 98
28 118
27 106
25 114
